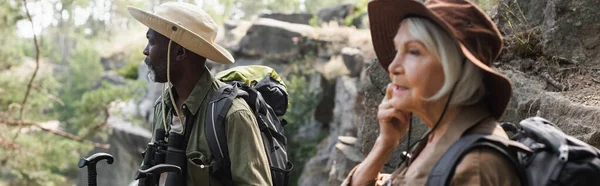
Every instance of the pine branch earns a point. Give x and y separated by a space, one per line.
47 94
37 66
63 134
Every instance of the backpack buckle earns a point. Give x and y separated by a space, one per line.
563 153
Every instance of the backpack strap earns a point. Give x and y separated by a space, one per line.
216 113
444 169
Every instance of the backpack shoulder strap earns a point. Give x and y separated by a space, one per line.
444 169
216 113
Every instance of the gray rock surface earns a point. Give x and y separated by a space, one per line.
335 13
274 40
569 28
153 91
345 157
353 60
529 99
126 142
323 168
298 18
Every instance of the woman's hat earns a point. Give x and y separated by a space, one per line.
187 25
474 32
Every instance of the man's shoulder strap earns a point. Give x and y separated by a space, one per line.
216 113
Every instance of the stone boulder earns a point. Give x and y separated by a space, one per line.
318 169
298 18
126 141
345 157
274 40
569 29
113 62
110 77
529 99
233 32
337 13
353 60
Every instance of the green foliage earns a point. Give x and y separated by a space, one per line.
68 91
58 154
486 5
92 103
314 21
313 6
130 71
10 53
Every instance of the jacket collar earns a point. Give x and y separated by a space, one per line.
200 91
198 94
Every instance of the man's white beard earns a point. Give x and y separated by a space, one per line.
151 75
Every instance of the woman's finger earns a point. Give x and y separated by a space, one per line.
388 92
390 113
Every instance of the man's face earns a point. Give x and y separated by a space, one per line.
156 56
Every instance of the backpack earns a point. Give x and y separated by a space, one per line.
265 93
550 157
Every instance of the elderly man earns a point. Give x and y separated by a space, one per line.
180 40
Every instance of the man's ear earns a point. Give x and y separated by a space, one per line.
181 53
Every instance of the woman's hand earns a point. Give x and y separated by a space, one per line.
393 123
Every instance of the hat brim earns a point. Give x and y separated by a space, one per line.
182 36
385 17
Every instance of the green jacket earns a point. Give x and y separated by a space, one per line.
249 163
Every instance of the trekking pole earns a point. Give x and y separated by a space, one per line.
154 171
91 161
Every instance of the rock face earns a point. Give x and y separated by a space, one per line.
353 61
274 40
335 13
127 141
233 34
569 28
565 33
298 18
145 107
323 169
529 99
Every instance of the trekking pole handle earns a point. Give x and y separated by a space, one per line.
91 161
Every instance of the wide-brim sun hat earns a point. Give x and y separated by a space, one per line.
187 25
475 34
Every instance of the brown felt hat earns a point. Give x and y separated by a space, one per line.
474 33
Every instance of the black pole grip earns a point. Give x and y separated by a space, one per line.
91 161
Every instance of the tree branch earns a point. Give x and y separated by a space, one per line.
63 134
37 66
47 94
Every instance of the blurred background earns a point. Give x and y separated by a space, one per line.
72 80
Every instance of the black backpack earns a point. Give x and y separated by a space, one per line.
550 157
268 100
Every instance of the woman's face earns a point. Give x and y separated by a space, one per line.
416 73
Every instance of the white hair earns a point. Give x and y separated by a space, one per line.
469 89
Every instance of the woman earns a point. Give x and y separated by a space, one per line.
438 56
